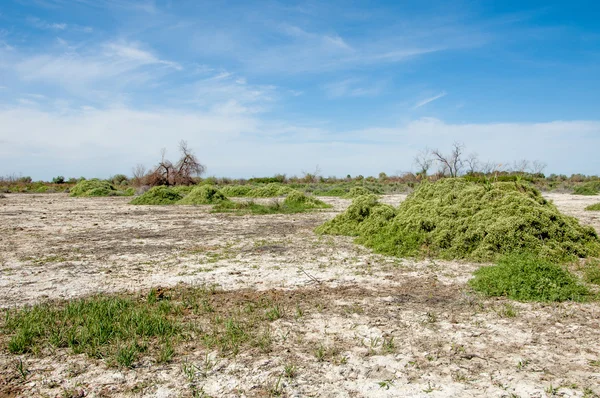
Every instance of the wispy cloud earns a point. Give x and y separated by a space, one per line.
38 23
353 87
429 100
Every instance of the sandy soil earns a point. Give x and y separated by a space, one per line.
447 341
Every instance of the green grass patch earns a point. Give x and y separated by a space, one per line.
269 191
160 195
295 202
124 329
203 195
94 187
594 207
591 271
526 277
457 219
589 188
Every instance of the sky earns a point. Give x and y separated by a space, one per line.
94 87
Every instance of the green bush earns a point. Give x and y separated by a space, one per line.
297 199
594 207
232 191
589 188
58 180
269 191
355 192
93 187
183 189
42 189
160 195
203 195
525 277
456 219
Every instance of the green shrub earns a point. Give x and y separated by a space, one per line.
525 277
183 189
119 179
160 195
453 218
203 195
93 187
96 326
594 207
589 188
232 191
591 272
297 199
58 180
355 192
269 191
42 189
334 191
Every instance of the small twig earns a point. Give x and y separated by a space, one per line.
312 278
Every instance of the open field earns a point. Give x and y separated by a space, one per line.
340 321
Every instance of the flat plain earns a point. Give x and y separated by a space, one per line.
348 323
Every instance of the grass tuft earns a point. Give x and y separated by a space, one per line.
94 187
594 207
589 188
526 277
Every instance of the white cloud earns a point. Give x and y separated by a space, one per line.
353 87
429 100
99 142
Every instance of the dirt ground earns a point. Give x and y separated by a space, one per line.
447 341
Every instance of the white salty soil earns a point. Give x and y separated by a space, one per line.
447 342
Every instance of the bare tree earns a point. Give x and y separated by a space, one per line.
424 161
521 165
452 163
314 176
537 167
472 162
181 173
187 167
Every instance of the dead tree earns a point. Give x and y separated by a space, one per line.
472 162
452 163
182 173
423 160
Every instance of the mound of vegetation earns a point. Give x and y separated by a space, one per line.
301 200
594 207
589 188
355 192
269 191
526 277
334 191
182 189
232 191
93 187
295 202
160 195
453 218
203 195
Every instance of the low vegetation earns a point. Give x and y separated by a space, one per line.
295 202
122 329
526 277
95 187
589 188
160 195
355 192
203 195
594 207
457 219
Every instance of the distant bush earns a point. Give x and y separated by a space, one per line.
93 187
25 180
594 207
355 192
58 180
42 189
203 195
236 190
269 191
589 188
296 202
119 179
279 178
160 195
300 199
183 189
526 277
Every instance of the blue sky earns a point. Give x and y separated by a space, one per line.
94 87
